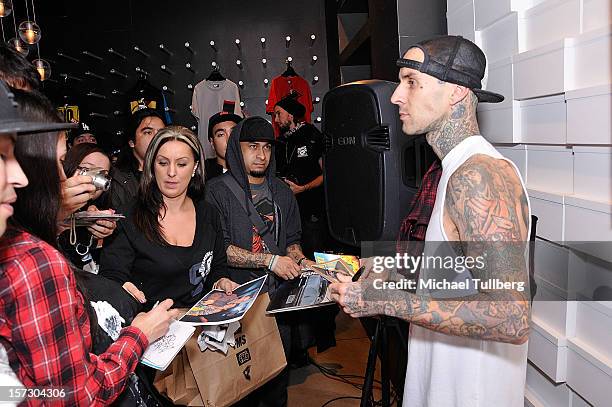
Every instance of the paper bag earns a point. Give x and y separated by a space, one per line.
177 382
257 358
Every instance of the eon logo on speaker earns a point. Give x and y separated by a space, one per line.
347 141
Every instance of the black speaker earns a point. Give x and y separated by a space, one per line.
371 168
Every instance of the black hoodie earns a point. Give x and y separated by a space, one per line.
236 225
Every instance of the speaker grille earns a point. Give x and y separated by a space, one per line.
378 138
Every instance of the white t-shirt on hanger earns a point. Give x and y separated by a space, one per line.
208 99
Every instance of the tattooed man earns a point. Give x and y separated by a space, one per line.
469 349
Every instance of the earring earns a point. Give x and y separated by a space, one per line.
193 175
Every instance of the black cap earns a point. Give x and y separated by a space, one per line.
83 128
257 129
455 60
292 106
12 122
220 118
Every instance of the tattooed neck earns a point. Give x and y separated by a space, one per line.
460 124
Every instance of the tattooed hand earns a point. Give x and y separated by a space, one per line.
350 297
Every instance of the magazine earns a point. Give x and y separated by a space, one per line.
351 261
310 290
217 308
331 274
85 218
160 353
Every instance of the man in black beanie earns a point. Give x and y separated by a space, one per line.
261 227
299 158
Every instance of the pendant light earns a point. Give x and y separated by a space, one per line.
29 31
16 43
18 46
6 8
43 67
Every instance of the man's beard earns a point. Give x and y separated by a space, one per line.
284 127
258 174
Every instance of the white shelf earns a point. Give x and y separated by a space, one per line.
540 72
543 120
550 168
596 104
596 14
589 373
548 351
589 59
549 209
461 20
592 172
500 40
550 21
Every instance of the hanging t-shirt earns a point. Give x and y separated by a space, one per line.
281 87
210 97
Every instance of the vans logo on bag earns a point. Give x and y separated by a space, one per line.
243 357
240 340
247 373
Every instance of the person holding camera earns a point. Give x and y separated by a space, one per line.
82 244
49 326
299 151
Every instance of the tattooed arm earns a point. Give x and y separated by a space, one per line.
238 257
283 266
485 202
294 251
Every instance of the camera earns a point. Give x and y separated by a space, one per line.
99 177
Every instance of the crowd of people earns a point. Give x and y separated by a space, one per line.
77 301
92 245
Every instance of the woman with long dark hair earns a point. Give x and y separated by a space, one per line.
48 325
82 244
171 243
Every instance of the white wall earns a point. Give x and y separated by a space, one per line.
552 59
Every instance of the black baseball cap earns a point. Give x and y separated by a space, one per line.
257 129
11 120
220 118
453 59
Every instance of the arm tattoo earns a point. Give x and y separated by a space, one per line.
488 206
295 252
238 257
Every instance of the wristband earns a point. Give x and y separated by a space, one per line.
271 263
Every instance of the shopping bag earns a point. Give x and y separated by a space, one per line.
177 382
257 358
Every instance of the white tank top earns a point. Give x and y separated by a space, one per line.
453 371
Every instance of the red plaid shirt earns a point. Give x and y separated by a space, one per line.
414 226
45 328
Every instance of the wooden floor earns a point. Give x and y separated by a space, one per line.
311 388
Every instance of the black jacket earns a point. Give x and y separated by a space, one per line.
237 227
183 274
212 169
124 186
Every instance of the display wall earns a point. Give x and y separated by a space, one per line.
72 27
552 59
